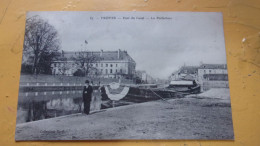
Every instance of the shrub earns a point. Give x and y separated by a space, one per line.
26 69
79 73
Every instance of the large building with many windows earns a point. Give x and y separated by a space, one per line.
213 72
105 64
213 76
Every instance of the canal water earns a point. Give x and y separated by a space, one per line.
33 106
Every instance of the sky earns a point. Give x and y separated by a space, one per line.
158 46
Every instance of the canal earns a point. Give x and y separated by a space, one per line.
33 106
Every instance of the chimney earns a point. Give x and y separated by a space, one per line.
118 54
101 53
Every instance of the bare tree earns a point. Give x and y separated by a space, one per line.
41 43
85 60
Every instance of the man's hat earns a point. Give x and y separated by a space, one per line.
87 81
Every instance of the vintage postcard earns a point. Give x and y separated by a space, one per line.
124 75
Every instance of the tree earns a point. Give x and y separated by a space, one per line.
79 73
41 44
85 60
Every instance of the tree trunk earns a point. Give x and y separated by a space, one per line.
34 64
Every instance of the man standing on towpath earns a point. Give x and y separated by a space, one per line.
87 96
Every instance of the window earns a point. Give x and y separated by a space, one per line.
101 71
209 71
111 71
101 64
106 71
96 65
204 71
111 65
106 65
121 71
116 65
116 70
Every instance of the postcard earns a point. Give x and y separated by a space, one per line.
123 76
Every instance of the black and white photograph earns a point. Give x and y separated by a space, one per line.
123 76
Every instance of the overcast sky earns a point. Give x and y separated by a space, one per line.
159 46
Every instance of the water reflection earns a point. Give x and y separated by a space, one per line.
42 105
33 106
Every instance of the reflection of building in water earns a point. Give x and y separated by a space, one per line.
49 106
65 104
38 110
31 111
107 64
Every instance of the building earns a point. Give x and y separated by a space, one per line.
144 77
213 72
105 64
186 73
213 76
207 75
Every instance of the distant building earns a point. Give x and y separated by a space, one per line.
213 72
207 75
186 73
144 77
213 76
107 64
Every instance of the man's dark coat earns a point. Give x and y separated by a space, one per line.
87 95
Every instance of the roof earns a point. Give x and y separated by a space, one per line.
188 70
213 66
100 55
